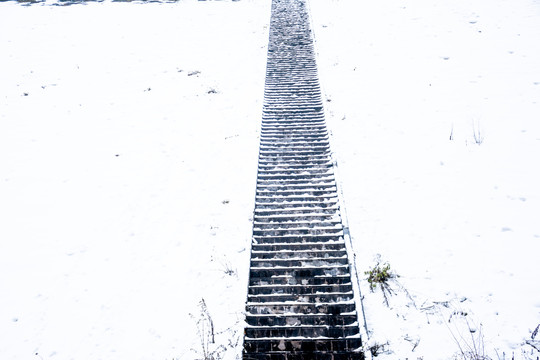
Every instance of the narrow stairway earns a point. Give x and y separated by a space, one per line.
300 299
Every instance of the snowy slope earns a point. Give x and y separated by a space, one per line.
128 147
435 114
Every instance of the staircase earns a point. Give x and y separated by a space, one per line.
300 298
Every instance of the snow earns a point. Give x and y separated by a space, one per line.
127 189
456 219
128 156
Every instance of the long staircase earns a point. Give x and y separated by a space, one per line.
300 298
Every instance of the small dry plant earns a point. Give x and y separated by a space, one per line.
478 134
206 333
471 345
228 269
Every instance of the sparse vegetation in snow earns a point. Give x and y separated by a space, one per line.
380 276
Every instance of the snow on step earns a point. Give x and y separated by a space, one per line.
298 254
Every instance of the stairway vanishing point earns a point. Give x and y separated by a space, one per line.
300 303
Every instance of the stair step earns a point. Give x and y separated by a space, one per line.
302 213
298 308
313 331
287 143
294 152
264 165
271 263
300 271
297 137
298 289
304 319
288 182
329 192
286 207
295 280
277 197
303 298
299 232
277 200
294 239
298 254
285 186
284 158
289 218
306 246
308 355
294 132
270 228
308 223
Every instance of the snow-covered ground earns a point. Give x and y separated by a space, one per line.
409 84
128 151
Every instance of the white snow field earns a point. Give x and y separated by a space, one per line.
458 219
127 184
128 156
